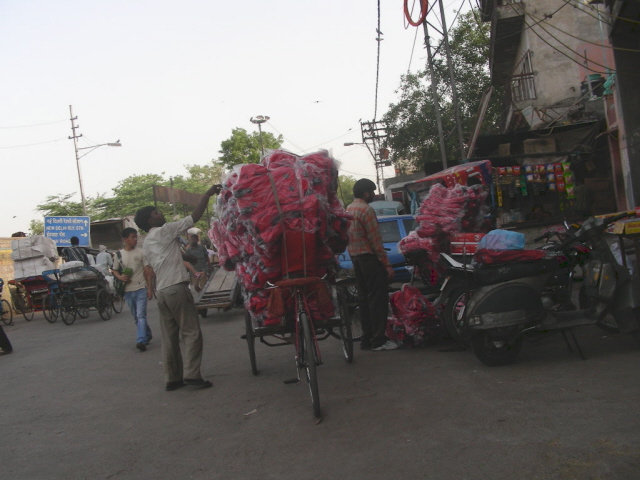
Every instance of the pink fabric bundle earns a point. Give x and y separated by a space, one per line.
414 317
444 212
283 194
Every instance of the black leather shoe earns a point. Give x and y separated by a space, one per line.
174 385
141 346
5 352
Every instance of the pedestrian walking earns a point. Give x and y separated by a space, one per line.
178 314
371 267
131 267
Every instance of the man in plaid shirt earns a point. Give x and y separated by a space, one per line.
372 268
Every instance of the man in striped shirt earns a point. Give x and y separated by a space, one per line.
372 268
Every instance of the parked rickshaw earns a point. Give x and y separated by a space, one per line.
82 289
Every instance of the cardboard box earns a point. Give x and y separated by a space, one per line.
627 226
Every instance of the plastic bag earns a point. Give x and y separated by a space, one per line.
502 240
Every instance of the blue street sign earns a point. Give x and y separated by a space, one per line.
61 229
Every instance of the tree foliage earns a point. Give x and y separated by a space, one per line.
243 147
345 189
61 205
411 122
36 227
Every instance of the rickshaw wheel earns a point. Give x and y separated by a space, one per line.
7 313
251 339
346 335
27 308
105 306
83 312
50 310
118 303
67 310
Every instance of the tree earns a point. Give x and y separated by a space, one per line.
345 189
36 227
411 122
131 194
62 205
243 147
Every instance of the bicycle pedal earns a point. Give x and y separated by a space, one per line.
291 380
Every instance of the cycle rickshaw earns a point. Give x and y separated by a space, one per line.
299 328
82 289
28 295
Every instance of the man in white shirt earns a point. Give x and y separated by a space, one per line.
104 257
138 287
178 314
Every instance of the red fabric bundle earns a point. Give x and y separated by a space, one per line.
258 202
412 316
444 212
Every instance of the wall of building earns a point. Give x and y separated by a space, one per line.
557 77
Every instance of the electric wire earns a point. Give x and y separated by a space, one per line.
35 124
33 144
588 41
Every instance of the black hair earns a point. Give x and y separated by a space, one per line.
75 241
128 231
142 217
362 186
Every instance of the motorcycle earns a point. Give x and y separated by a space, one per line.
495 306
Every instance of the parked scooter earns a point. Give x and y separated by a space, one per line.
495 306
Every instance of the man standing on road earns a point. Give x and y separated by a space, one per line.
372 268
138 286
178 314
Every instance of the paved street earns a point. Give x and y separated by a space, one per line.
80 402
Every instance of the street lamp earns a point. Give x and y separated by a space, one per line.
259 120
78 157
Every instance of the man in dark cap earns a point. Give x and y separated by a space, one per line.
372 268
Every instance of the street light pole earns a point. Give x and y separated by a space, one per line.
78 157
259 120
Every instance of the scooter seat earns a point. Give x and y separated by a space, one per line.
490 274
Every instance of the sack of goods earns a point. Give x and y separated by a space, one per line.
444 213
32 255
33 247
277 218
75 271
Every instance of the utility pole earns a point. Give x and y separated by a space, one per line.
434 93
454 90
372 134
75 147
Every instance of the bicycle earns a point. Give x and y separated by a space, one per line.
299 328
5 308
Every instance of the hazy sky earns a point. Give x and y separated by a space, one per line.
170 80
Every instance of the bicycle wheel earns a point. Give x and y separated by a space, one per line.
7 313
251 340
118 303
104 304
67 309
307 347
50 308
26 308
346 335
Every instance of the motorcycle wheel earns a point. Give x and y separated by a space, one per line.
453 313
494 348
607 322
